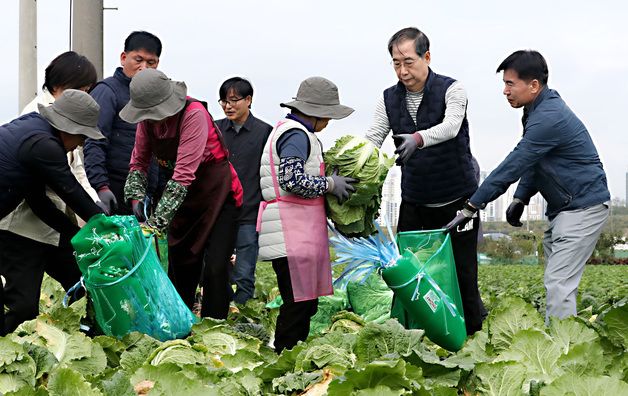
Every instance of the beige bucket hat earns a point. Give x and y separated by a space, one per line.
74 112
318 97
153 97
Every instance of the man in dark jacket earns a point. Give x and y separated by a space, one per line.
557 158
245 137
427 115
33 151
107 160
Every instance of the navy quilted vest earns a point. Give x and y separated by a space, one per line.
439 173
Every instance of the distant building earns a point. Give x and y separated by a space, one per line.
391 198
489 212
535 209
496 210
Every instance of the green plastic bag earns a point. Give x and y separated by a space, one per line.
101 234
124 279
438 260
426 288
162 250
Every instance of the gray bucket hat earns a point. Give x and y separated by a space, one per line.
74 112
318 97
153 97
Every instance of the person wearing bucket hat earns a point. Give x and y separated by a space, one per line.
291 221
427 115
33 151
200 204
34 246
107 160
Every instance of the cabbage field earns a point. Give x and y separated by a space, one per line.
515 353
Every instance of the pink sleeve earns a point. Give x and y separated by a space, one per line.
142 151
192 142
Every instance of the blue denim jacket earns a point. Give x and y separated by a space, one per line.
555 157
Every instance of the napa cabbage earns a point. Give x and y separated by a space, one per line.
358 158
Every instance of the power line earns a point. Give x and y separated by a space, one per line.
70 27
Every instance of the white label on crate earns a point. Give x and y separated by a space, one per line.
432 300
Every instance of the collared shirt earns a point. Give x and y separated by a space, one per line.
245 152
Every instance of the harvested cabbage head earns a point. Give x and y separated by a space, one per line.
358 158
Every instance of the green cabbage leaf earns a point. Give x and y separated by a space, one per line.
358 158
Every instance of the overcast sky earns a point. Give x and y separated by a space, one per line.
277 44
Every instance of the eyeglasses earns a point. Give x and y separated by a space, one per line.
230 102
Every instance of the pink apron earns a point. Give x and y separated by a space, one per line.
304 225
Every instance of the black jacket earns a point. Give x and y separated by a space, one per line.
31 157
245 153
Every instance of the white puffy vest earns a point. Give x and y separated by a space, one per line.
271 238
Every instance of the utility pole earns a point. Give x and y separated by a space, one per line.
27 73
87 31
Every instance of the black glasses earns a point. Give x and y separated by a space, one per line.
230 102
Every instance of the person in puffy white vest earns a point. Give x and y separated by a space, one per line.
291 222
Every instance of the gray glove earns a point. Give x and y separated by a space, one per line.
406 146
108 199
340 186
463 217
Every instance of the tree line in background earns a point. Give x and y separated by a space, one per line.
506 244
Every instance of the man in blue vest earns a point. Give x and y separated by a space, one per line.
427 115
557 158
33 151
107 160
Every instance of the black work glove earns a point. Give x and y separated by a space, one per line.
406 146
463 217
108 199
341 186
138 210
514 212
103 207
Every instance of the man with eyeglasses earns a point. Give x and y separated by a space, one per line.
427 114
245 137
107 160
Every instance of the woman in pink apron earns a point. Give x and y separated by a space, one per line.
292 221
200 203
